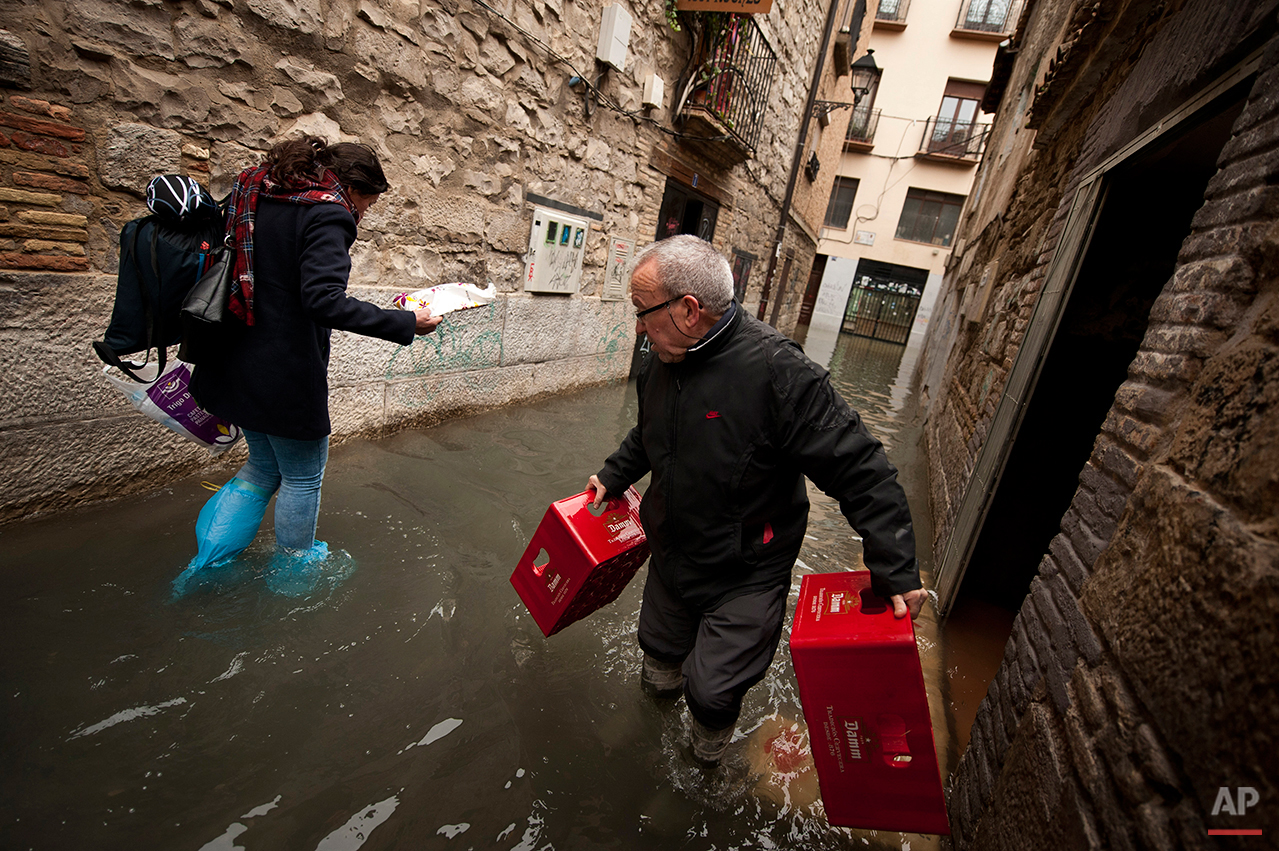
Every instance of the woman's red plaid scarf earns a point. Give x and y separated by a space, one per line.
243 209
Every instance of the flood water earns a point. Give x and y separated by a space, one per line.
407 700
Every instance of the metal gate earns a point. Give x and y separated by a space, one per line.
881 309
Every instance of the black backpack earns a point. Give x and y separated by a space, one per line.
161 257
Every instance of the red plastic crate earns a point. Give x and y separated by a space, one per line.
589 559
862 690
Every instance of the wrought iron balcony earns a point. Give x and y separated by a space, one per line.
988 17
861 129
948 139
892 11
728 94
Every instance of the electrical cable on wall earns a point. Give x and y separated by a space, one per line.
888 177
593 91
889 183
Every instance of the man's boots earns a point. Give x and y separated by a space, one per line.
662 680
708 745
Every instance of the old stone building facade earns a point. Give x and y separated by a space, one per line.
1100 382
481 114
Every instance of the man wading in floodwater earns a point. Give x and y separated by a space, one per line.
732 417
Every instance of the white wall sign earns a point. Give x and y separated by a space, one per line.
618 270
556 247
864 237
832 298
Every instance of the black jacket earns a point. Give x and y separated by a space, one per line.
273 377
729 434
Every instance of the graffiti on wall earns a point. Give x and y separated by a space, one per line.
611 347
452 347
471 344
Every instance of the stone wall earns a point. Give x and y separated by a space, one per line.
471 109
1139 680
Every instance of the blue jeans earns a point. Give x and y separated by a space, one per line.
296 469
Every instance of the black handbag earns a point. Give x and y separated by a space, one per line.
204 310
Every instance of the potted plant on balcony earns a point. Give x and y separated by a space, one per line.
710 78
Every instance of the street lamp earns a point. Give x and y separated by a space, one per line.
863 74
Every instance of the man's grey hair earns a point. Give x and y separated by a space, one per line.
687 265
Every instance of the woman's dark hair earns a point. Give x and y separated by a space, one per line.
298 162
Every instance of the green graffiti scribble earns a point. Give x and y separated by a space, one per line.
610 346
443 350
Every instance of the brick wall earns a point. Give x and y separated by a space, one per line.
1139 679
42 154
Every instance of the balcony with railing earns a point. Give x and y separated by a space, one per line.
891 15
949 140
860 137
723 113
987 20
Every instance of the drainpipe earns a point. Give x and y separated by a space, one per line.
831 14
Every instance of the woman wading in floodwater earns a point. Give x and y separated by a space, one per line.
292 221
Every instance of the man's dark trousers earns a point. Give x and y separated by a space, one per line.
724 650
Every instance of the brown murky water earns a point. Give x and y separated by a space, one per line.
409 701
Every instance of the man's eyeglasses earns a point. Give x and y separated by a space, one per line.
646 311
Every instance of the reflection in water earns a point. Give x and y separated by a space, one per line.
974 637
411 702
872 375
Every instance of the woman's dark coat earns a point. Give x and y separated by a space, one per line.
273 377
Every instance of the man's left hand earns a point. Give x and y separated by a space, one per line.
424 322
911 601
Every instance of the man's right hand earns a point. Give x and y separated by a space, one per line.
601 493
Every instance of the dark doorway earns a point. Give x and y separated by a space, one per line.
683 210
814 286
1145 215
883 301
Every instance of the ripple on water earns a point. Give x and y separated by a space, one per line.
309 577
409 698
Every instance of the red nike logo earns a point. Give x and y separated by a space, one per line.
712 415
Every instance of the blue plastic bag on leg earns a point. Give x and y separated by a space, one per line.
296 573
226 526
303 573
